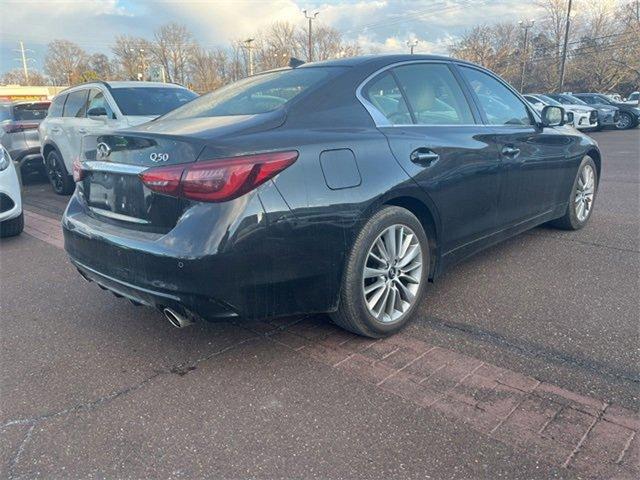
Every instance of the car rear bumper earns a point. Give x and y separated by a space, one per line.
210 264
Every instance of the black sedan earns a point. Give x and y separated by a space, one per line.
629 115
340 187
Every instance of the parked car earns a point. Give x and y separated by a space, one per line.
11 216
629 116
614 97
607 115
339 186
97 107
581 117
633 98
19 123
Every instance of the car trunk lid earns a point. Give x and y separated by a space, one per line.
111 164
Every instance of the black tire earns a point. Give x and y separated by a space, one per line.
625 122
353 313
59 178
570 220
13 227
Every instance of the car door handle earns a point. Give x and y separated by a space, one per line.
510 151
55 130
82 130
424 157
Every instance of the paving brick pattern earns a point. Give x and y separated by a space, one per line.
555 425
44 228
558 426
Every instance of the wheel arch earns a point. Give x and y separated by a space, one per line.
49 147
594 153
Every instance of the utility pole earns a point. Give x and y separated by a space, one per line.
311 17
249 47
24 63
564 49
412 44
526 25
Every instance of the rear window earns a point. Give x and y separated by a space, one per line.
150 101
30 111
5 112
55 110
257 94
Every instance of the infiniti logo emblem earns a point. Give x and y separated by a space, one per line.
102 151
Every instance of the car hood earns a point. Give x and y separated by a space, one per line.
578 108
133 120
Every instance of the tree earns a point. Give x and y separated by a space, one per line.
16 77
326 43
208 69
132 54
102 66
65 62
173 48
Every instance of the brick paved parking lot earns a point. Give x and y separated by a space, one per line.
523 363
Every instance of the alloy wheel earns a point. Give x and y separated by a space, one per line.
624 121
585 191
54 174
392 273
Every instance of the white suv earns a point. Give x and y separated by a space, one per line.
96 107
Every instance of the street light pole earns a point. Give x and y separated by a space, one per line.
412 44
564 48
249 47
311 17
526 25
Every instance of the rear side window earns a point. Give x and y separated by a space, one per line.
434 95
257 94
150 101
501 106
76 104
30 111
55 110
384 93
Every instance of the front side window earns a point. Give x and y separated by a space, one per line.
76 104
150 101
501 106
433 94
254 95
97 101
384 94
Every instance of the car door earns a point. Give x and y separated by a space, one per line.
434 135
534 159
74 126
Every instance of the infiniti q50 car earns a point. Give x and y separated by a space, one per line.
340 187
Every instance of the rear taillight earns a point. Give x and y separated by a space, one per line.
19 127
217 180
78 171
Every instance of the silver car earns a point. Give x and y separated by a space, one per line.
19 123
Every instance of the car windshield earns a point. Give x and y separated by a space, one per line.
150 101
549 100
30 111
603 99
569 99
253 95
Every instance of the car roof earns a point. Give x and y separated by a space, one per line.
382 59
122 84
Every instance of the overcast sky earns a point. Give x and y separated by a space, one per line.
383 24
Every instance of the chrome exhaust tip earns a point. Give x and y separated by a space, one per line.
176 319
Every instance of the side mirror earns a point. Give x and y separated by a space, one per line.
97 112
552 116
